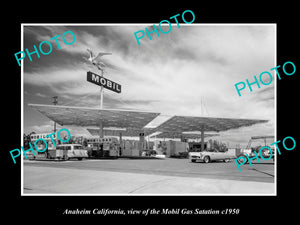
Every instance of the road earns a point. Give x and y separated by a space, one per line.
148 171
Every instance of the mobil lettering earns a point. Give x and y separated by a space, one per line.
102 81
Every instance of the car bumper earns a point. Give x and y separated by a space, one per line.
196 159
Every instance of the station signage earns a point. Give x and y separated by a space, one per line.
102 81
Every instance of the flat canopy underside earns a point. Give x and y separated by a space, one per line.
135 121
189 123
262 137
183 135
136 133
85 117
126 133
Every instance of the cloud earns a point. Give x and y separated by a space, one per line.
169 74
41 95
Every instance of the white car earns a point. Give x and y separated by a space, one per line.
208 156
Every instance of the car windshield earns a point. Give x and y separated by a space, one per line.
77 147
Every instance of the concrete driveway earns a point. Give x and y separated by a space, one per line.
106 177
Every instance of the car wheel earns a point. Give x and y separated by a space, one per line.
240 161
206 159
193 160
79 158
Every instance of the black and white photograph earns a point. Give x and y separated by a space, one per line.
129 109
149 112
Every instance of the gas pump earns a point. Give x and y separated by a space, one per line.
103 147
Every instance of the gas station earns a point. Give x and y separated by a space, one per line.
135 134
135 123
128 123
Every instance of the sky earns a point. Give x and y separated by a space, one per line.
190 71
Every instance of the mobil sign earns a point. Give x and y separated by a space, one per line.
102 81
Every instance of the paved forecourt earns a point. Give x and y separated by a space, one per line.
128 176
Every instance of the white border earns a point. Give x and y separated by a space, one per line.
146 24
22 110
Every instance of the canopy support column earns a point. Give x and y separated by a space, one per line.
101 130
120 138
202 138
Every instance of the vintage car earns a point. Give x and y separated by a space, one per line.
68 151
208 156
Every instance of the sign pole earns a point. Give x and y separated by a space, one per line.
101 107
101 97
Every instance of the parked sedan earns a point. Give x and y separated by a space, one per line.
208 156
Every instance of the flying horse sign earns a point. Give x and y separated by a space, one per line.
103 82
96 59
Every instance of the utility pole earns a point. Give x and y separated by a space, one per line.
55 103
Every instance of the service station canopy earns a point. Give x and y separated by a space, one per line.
85 117
116 132
148 132
135 121
192 123
183 135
